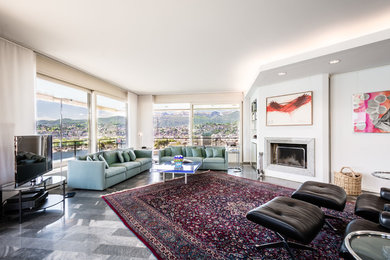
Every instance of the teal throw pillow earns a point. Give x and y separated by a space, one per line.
189 152
209 152
126 156
168 151
120 156
217 152
132 155
89 159
104 160
95 158
176 150
196 152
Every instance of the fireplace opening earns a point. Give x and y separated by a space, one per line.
288 154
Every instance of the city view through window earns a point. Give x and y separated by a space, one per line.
216 125
111 123
54 99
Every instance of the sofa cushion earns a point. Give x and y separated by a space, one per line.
217 152
209 152
168 151
176 150
166 159
188 150
126 156
104 160
214 160
132 155
196 152
128 165
95 157
143 161
112 171
89 158
110 156
120 156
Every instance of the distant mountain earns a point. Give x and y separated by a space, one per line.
68 121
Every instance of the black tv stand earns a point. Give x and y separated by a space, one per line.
32 197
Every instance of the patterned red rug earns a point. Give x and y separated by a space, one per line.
205 219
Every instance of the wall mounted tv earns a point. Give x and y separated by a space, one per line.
33 157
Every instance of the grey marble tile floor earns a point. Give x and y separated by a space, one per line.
88 229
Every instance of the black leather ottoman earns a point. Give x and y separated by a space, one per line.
321 194
289 218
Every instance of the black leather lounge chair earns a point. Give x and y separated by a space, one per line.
370 206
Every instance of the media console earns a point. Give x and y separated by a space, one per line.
32 197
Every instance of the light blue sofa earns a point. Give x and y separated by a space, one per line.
212 157
93 175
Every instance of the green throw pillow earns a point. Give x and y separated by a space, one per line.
189 152
168 151
120 156
209 152
217 152
196 152
126 156
89 159
95 158
104 160
176 150
132 155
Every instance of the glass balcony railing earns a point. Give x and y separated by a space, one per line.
160 143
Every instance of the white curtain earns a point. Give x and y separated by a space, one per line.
17 101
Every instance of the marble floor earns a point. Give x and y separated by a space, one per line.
88 229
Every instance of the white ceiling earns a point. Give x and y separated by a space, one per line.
185 46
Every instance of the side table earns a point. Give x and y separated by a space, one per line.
235 150
368 244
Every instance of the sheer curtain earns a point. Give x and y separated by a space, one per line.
17 101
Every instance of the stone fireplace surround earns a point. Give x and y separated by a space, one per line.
309 170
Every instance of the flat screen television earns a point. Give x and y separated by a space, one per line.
33 157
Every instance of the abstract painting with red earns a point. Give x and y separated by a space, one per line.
292 109
371 112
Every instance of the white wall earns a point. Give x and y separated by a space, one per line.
319 84
145 121
132 119
17 101
364 152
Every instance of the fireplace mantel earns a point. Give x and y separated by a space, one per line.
308 143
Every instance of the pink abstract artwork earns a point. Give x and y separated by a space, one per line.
371 112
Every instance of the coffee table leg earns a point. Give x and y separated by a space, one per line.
173 175
185 178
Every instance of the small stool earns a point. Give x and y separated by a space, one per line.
289 218
325 195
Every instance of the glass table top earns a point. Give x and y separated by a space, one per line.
382 175
368 245
170 167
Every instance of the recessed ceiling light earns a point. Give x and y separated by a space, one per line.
334 61
282 73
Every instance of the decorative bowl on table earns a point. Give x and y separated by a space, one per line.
178 160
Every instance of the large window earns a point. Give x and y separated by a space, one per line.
216 125
62 111
111 123
182 124
171 124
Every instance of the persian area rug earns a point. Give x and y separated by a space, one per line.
205 219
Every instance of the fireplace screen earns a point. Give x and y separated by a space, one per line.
292 155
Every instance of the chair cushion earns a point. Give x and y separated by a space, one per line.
112 171
369 206
214 160
295 219
143 161
322 194
127 165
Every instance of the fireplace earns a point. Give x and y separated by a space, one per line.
291 155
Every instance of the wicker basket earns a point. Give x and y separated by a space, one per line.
350 181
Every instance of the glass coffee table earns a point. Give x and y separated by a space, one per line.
187 168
